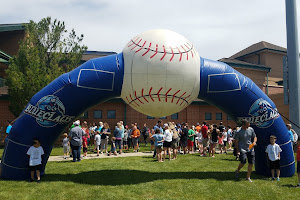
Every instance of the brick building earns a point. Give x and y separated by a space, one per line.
262 62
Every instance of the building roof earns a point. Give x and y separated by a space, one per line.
87 55
260 46
243 64
11 27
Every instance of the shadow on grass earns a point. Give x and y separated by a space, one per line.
128 177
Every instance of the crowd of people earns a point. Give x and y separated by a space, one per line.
166 139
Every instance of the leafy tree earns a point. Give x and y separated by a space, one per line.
47 51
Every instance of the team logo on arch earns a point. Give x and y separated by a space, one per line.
48 112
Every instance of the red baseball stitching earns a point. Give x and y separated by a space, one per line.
186 48
150 94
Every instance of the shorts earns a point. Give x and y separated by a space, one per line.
159 147
274 164
84 149
36 167
298 166
167 144
225 143
135 141
125 142
190 143
66 149
248 155
213 142
97 147
174 144
183 143
205 142
151 142
199 140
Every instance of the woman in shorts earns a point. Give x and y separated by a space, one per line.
213 141
167 141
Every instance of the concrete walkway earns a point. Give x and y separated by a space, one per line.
94 156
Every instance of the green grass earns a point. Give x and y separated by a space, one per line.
188 177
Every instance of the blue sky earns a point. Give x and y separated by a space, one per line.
217 28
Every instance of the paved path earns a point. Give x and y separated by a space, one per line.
94 156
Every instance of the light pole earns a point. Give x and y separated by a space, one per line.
293 63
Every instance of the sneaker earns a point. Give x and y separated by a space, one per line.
273 179
236 174
278 179
31 180
38 181
298 185
248 179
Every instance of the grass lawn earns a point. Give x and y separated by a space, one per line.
188 177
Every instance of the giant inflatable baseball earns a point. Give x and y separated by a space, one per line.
158 73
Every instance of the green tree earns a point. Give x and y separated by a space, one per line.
47 51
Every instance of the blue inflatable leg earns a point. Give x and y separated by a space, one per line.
54 108
241 98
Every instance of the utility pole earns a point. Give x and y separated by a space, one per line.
293 63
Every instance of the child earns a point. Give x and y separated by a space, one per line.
273 150
159 139
66 145
220 141
97 141
113 147
85 144
35 153
298 161
125 139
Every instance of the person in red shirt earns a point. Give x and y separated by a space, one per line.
204 131
84 145
298 161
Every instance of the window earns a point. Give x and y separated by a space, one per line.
85 115
97 114
163 118
149 117
208 116
174 116
218 116
111 114
228 117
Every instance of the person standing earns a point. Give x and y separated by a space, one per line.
204 132
35 153
184 137
157 126
168 134
9 126
213 140
190 142
105 132
118 136
75 136
293 135
135 137
145 133
273 150
245 138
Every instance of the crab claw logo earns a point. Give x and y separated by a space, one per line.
262 114
49 111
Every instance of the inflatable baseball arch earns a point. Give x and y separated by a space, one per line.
159 73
